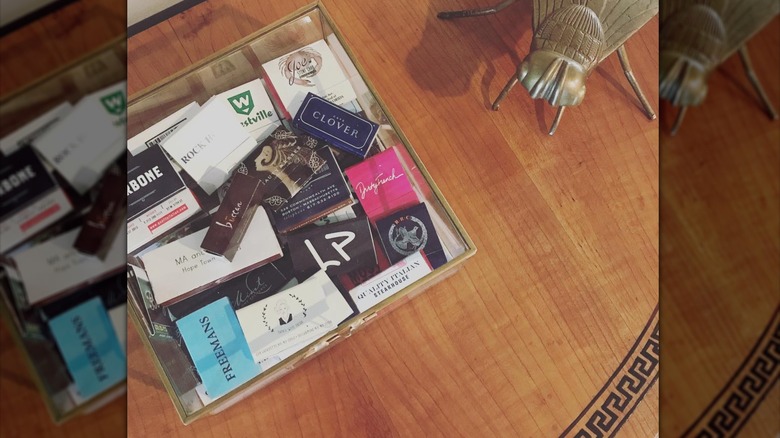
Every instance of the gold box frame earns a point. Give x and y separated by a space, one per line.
347 328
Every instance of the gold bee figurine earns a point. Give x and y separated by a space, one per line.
697 36
571 38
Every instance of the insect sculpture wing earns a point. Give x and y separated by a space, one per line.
743 19
619 18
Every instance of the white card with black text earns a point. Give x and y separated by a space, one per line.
181 268
28 133
293 317
88 139
158 133
54 266
252 108
211 145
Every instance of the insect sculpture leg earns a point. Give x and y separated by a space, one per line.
623 56
475 12
512 82
557 119
743 54
679 119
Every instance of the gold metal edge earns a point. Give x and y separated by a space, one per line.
110 45
56 417
346 325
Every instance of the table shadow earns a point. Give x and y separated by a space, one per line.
470 43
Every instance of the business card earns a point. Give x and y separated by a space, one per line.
23 179
34 222
113 99
181 268
338 248
326 193
93 354
390 281
211 145
54 267
28 133
293 317
218 348
283 163
155 318
407 231
156 134
335 125
314 69
229 222
113 295
30 199
105 216
155 223
197 223
253 109
353 279
241 291
381 184
89 139
157 199
112 292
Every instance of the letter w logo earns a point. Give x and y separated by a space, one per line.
242 103
114 103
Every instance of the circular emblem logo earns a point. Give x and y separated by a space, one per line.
284 314
408 235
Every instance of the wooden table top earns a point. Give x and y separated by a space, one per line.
720 252
523 339
539 328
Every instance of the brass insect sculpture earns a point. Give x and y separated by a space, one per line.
697 36
571 38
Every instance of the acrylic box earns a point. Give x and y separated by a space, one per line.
103 67
242 63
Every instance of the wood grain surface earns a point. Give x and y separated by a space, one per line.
720 253
524 338
58 39
28 54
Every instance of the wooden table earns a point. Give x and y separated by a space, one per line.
720 252
29 54
22 410
58 39
557 308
